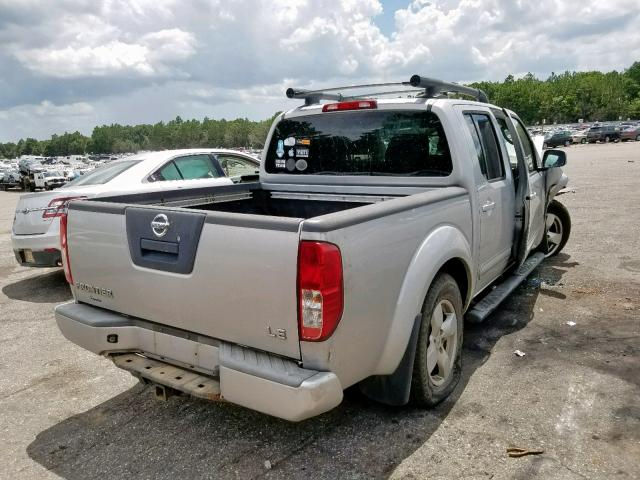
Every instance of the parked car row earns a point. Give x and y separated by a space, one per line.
593 134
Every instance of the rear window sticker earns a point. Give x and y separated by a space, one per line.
302 152
291 152
280 149
304 141
301 165
280 163
291 164
289 141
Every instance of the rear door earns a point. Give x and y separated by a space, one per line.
230 277
536 181
495 196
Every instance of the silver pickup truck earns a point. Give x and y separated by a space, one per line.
375 225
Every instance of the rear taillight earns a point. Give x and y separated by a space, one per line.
64 249
355 105
58 206
320 291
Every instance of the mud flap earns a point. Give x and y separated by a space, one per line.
395 389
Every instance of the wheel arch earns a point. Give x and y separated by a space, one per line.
445 249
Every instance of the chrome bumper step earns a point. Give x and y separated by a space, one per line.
180 379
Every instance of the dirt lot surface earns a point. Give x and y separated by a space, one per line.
65 412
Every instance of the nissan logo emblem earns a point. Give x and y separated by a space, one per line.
160 225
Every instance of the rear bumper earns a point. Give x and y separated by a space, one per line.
51 258
247 377
45 248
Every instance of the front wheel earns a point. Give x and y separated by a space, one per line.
558 227
606 139
584 140
437 366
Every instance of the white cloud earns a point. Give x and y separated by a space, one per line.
91 54
47 108
189 58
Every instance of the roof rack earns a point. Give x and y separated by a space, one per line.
423 87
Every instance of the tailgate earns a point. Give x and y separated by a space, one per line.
28 219
227 276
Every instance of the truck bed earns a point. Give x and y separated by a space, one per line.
226 267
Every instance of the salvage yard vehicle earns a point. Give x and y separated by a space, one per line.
579 136
603 133
49 179
558 138
35 235
376 224
630 133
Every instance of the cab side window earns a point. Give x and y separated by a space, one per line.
237 166
527 145
189 167
486 143
192 167
166 172
507 141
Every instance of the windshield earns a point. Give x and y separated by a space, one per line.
104 174
390 143
53 174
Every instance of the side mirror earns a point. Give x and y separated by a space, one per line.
554 159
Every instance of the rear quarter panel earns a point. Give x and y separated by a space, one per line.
382 291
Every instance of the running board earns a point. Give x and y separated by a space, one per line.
490 302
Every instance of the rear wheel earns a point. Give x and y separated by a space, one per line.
437 365
558 227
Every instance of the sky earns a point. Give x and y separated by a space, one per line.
69 65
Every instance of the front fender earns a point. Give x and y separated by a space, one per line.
444 243
556 180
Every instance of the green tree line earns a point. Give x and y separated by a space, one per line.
561 98
569 96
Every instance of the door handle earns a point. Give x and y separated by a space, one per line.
487 207
532 195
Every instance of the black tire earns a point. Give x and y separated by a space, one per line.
606 139
424 391
561 212
584 140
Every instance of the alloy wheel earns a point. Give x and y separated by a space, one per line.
443 342
554 233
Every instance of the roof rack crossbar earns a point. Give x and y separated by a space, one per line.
431 88
417 92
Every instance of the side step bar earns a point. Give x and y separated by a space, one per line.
490 302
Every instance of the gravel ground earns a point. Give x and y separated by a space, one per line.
67 413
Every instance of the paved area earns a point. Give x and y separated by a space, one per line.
575 394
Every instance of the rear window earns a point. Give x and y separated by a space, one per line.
389 143
102 175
